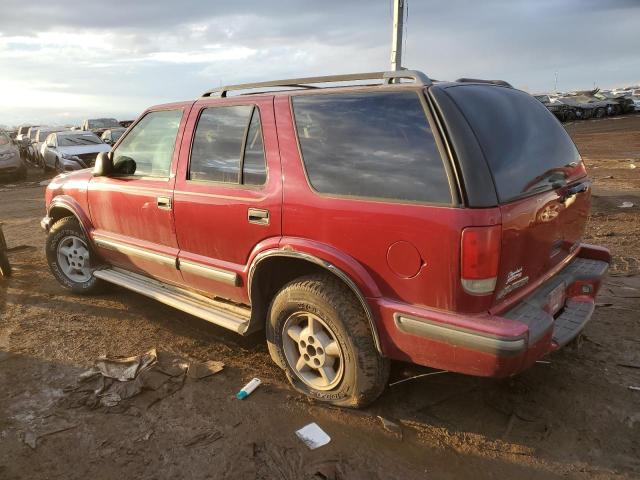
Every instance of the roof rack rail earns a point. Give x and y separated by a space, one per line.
502 83
418 78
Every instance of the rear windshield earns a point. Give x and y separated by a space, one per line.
527 149
76 140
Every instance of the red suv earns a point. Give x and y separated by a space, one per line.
437 223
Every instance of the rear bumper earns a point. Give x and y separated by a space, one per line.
502 344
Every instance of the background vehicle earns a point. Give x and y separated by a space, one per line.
39 141
99 125
112 135
11 164
356 224
563 112
29 140
72 150
22 139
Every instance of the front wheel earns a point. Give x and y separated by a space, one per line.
318 333
70 257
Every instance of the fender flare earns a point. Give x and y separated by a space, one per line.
71 205
288 251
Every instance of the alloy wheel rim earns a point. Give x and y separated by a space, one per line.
74 259
312 351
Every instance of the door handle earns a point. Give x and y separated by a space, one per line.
258 216
164 203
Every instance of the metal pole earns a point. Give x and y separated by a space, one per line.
396 38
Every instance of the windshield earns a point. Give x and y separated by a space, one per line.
103 123
79 139
42 134
116 134
527 149
32 134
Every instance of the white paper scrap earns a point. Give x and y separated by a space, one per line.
313 436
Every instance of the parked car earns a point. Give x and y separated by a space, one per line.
22 139
431 222
636 103
29 141
564 113
619 104
99 125
11 164
71 150
39 142
112 135
125 123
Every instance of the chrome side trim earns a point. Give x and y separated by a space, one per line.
212 273
459 337
135 251
328 266
176 297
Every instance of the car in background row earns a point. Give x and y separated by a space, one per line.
38 143
112 135
99 125
562 112
125 123
10 162
72 150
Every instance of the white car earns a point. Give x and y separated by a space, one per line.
72 150
636 102
38 142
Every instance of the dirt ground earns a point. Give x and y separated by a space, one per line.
573 417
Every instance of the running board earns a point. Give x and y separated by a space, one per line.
219 313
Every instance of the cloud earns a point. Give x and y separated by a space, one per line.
93 58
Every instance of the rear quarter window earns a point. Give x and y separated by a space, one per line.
527 149
370 145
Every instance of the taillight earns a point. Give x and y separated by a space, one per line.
479 258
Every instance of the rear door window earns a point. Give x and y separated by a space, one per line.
527 149
370 145
227 146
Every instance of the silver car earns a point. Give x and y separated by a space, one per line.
72 150
38 143
10 162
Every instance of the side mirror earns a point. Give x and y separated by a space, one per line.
104 165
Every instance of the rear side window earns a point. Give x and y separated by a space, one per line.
527 149
227 146
372 145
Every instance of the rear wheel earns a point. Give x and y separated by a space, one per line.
70 257
318 333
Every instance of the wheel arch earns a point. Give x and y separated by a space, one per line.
272 269
65 206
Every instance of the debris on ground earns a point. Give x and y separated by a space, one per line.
631 387
629 365
313 436
114 379
248 388
391 427
31 437
418 376
626 205
204 438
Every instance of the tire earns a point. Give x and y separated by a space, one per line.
73 269
356 374
5 266
570 116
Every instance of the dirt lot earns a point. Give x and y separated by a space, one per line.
574 417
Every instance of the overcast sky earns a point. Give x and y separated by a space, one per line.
62 60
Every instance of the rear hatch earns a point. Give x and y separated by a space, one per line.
541 185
